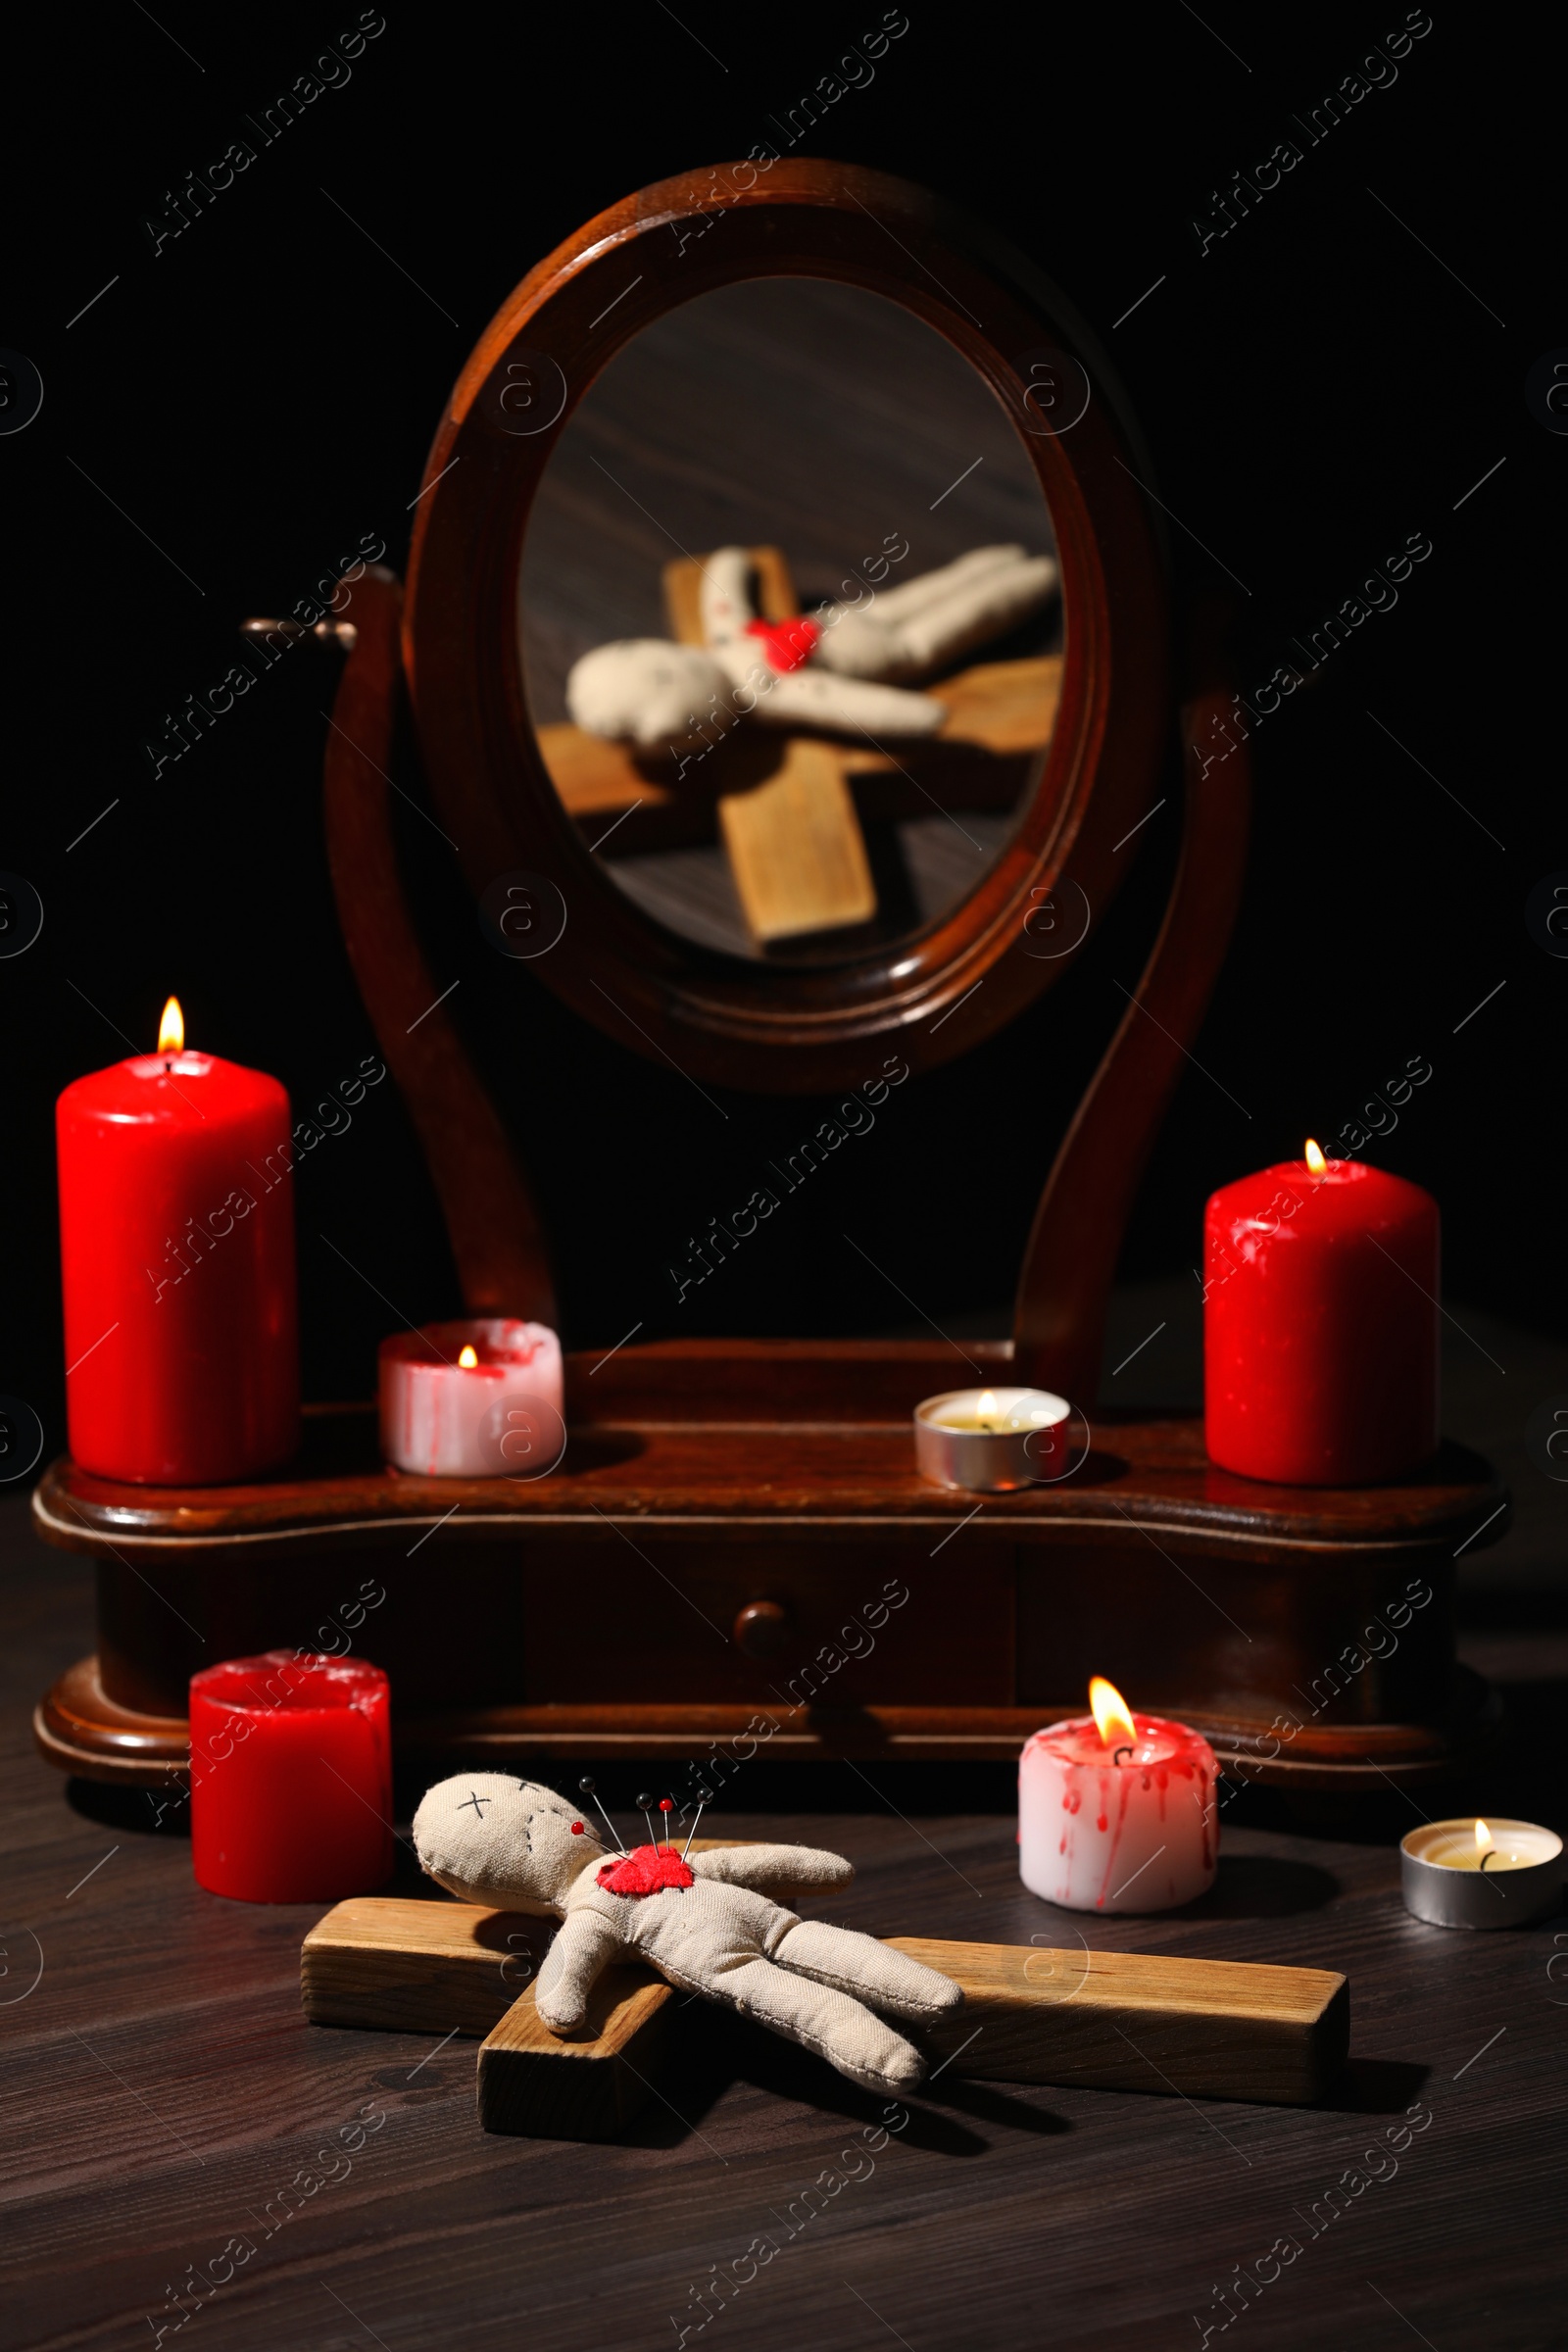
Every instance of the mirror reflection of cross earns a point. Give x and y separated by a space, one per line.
477 1802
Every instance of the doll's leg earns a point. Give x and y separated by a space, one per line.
910 597
850 2037
872 1972
854 706
974 610
724 596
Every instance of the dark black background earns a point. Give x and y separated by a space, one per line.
1315 388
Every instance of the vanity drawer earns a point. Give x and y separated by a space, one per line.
829 1623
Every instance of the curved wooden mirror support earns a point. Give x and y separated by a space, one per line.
960 417
502 775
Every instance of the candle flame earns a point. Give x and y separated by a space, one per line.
987 1407
1314 1158
1482 1836
171 1029
467 1359
1112 1721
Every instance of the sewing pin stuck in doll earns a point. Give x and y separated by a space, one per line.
586 1787
704 1800
707 1922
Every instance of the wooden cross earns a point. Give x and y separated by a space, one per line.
1117 2021
785 807
795 846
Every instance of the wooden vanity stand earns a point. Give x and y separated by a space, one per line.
736 1556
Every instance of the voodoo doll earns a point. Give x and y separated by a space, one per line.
841 668
707 1922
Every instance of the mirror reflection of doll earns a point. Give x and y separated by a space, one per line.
843 669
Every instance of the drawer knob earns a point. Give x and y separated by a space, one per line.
762 1629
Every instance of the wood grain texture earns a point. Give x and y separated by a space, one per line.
164 2095
1120 2021
1135 2021
817 1457
490 1217
388 1962
587 2085
740 1473
796 848
1070 1258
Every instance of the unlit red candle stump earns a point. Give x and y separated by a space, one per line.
1320 1324
291 1778
176 1249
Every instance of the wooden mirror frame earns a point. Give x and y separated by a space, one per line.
766 1027
770 1471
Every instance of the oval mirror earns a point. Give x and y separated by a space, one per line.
785 625
790 622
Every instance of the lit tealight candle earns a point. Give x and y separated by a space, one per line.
1478 1874
482 1398
1117 1810
991 1439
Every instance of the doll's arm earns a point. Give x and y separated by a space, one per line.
774 1870
724 596
586 1943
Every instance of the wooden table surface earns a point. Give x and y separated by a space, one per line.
161 2094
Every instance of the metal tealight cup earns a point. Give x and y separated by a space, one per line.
1450 1897
1025 1446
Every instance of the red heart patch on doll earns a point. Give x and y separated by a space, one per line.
786 643
645 1870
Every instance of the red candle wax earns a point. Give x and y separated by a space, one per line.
290 1778
176 1249
1320 1325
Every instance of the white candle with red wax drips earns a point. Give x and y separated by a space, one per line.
477 1399
1117 1810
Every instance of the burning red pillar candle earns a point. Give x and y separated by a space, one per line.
290 1778
176 1251
1320 1324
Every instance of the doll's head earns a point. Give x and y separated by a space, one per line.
644 690
490 1838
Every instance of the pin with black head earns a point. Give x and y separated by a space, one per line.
645 1808
587 1787
704 1796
